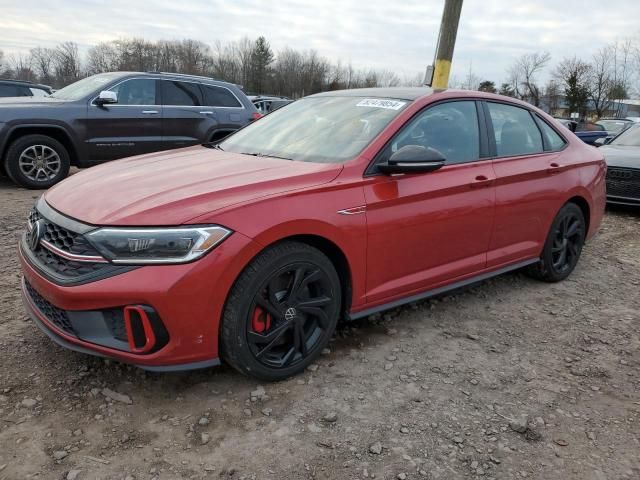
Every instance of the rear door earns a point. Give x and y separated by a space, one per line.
130 127
529 176
428 229
187 120
230 112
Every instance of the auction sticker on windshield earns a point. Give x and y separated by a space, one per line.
380 103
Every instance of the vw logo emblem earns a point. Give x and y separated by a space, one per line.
290 314
36 233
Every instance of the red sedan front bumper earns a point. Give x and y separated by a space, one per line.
188 300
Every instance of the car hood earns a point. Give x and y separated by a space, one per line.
171 188
621 156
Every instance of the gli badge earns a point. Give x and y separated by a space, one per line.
36 233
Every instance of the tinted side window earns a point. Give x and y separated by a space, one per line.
9 91
451 128
138 91
181 93
515 131
24 92
555 141
219 97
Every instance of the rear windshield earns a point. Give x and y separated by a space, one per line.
317 129
628 138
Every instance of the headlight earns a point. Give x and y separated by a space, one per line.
135 246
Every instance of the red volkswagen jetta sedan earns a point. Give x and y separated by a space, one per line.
338 205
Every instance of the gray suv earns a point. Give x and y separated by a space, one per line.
114 115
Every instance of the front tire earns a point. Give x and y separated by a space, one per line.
281 312
37 161
563 246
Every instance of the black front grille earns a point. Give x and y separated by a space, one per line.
66 268
63 269
114 319
63 238
623 182
55 315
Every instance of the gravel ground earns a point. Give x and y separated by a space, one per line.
509 379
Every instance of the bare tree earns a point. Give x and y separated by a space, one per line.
600 80
622 53
553 94
66 63
246 62
102 58
42 61
20 67
524 75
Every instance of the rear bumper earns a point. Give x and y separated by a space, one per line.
187 298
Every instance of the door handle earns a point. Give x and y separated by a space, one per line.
481 181
206 113
150 112
554 168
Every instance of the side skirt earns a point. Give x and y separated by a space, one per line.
438 291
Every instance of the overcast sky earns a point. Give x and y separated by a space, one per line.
398 36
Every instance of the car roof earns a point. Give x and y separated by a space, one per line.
401 93
25 83
170 75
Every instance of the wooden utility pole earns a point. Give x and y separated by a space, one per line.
446 43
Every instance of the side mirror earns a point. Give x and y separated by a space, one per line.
413 159
598 142
107 96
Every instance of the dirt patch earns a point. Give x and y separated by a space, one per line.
509 379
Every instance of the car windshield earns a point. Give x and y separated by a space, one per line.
86 86
613 126
628 138
323 129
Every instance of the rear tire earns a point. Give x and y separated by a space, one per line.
281 312
37 161
563 246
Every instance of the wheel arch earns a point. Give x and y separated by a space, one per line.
582 202
337 258
56 132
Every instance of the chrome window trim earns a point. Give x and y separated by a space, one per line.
241 107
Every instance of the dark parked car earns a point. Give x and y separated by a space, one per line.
588 132
623 167
21 88
114 115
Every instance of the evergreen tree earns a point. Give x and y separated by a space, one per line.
576 93
261 59
487 86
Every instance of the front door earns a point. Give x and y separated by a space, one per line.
131 126
427 229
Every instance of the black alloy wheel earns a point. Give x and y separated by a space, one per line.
290 314
567 242
281 312
563 246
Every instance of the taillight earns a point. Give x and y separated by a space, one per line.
255 115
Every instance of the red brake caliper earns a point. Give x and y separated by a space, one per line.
261 320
